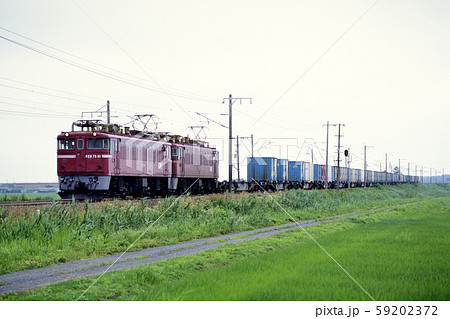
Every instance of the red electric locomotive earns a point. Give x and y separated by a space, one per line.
105 160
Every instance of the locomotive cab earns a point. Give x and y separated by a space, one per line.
83 152
83 162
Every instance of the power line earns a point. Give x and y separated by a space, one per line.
102 73
32 107
50 89
46 94
103 66
34 102
68 94
34 114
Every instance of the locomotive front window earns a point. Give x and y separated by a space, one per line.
66 144
98 144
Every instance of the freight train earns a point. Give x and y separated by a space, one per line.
97 160
274 174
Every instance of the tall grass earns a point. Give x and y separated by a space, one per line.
60 233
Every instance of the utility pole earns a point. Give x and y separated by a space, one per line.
326 156
399 170
326 160
348 161
253 158
385 173
416 170
421 173
365 164
237 150
409 175
251 138
365 167
339 154
100 113
108 113
231 101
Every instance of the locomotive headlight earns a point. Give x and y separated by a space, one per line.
66 134
95 133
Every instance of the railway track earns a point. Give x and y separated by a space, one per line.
40 203
32 203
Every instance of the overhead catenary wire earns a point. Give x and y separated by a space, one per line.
35 114
106 67
67 95
47 94
34 102
103 73
35 108
50 89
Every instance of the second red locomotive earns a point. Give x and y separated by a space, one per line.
105 160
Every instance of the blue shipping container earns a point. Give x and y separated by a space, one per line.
282 170
295 171
262 168
317 173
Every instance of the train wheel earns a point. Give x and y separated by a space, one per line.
123 192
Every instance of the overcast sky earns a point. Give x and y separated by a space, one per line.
381 68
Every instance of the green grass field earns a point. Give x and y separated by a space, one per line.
400 254
62 233
400 258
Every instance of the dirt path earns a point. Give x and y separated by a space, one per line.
33 278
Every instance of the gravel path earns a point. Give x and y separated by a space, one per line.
33 278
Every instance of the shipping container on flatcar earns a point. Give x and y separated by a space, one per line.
262 169
307 175
282 170
317 173
295 171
